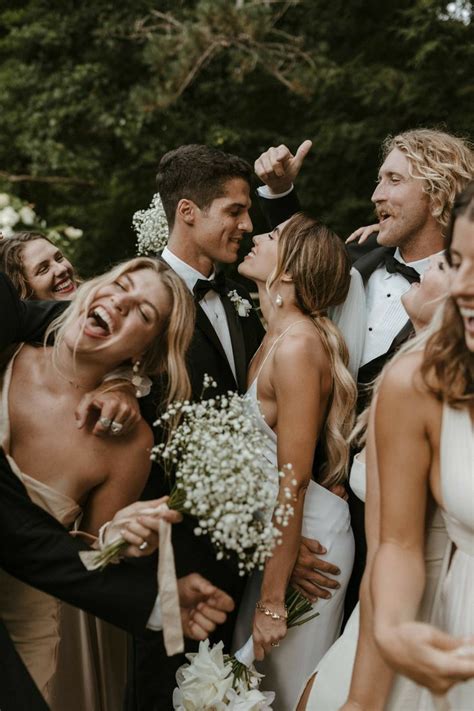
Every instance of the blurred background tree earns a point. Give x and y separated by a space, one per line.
92 94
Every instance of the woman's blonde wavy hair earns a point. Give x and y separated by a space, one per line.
167 352
319 266
444 163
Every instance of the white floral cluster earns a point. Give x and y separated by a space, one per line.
208 683
223 478
16 215
241 305
151 227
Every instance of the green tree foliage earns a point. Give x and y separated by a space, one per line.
92 94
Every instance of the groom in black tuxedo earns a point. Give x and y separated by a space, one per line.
413 213
36 548
206 196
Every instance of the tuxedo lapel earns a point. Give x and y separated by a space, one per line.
238 344
367 263
403 335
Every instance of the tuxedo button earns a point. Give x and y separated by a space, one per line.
370 328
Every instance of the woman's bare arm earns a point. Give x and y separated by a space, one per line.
297 380
404 458
127 463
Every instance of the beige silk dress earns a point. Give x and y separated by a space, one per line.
77 661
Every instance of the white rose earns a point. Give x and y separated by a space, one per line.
9 217
4 200
27 215
73 232
6 231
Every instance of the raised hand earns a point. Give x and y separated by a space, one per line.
116 409
362 233
278 167
309 574
202 606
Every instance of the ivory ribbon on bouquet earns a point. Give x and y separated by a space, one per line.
167 583
168 589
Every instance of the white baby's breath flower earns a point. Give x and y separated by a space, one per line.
73 232
27 215
9 217
4 200
223 478
151 227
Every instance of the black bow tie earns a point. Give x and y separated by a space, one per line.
202 286
393 266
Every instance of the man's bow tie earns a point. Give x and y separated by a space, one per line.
202 286
393 266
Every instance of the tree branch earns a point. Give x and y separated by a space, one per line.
52 179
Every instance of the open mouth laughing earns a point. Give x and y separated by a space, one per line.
383 216
65 286
467 315
99 323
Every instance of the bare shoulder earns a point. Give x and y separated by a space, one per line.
401 381
300 349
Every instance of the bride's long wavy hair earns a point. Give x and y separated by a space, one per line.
316 260
166 353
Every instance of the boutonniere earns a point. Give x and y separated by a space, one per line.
242 306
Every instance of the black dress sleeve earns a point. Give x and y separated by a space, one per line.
24 320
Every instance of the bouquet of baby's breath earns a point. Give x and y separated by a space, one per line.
222 479
151 227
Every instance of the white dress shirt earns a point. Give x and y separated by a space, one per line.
211 303
386 314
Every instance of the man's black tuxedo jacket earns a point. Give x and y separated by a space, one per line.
36 548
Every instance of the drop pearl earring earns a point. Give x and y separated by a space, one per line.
279 300
137 378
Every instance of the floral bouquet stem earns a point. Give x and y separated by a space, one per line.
297 607
112 552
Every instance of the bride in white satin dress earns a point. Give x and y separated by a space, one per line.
304 396
139 310
332 687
